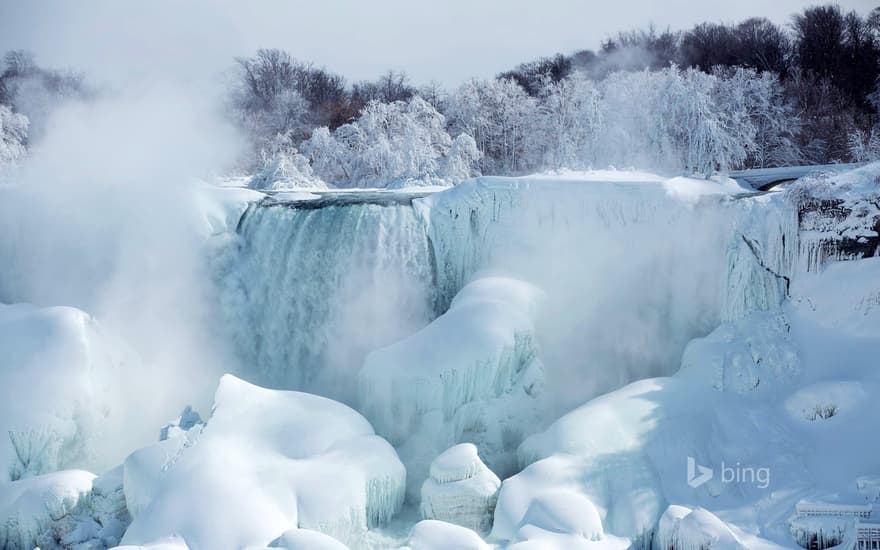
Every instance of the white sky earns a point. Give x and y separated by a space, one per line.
450 41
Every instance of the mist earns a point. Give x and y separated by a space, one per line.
104 215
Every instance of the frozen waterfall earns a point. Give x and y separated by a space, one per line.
634 266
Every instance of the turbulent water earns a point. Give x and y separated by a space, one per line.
313 285
632 272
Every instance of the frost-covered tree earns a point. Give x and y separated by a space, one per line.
13 136
501 117
389 143
34 91
570 122
756 110
283 167
461 162
865 146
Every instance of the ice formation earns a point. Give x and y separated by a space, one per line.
261 466
60 358
754 353
685 529
29 507
310 286
438 535
471 375
178 427
460 489
839 216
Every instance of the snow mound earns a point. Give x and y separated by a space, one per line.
845 297
682 528
751 354
262 466
98 521
57 372
304 539
471 375
28 507
461 489
431 534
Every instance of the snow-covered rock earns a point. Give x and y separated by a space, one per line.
187 420
438 535
29 507
263 465
698 529
460 489
473 374
98 520
839 216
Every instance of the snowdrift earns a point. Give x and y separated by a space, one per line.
461 489
473 375
748 397
266 462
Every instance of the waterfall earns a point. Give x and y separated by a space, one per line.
633 270
308 288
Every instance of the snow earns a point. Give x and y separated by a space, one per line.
752 394
461 489
304 539
260 467
29 506
697 529
483 312
431 534
57 372
751 354
425 395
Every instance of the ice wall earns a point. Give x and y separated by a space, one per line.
308 288
634 266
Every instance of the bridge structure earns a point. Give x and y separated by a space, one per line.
764 179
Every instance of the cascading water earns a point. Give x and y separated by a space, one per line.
633 269
311 286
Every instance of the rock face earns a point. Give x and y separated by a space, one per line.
461 489
834 229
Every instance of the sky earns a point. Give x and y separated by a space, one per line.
118 41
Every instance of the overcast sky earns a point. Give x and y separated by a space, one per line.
448 41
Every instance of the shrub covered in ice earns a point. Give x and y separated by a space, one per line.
473 374
267 461
29 507
438 535
461 489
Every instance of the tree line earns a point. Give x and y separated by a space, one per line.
714 97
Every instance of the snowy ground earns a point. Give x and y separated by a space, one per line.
605 340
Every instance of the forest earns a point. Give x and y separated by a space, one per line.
715 97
